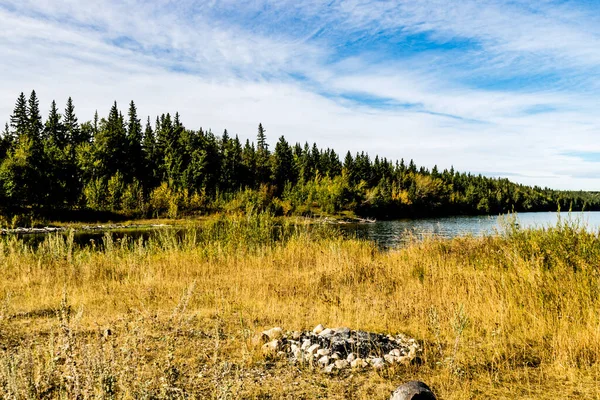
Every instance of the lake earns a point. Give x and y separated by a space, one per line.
387 234
396 233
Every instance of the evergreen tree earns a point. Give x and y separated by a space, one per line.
72 131
283 170
249 165
54 131
110 145
149 178
135 156
35 119
263 170
19 120
6 142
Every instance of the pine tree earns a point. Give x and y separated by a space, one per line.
110 145
135 157
72 131
263 170
283 165
35 119
54 131
149 178
249 165
6 142
19 120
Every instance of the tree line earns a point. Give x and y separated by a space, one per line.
117 164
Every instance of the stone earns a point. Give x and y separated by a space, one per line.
259 339
341 364
336 356
318 329
343 332
351 357
329 369
271 347
323 361
326 332
390 359
358 363
323 352
313 349
378 363
296 335
306 344
396 353
274 333
412 353
298 354
413 390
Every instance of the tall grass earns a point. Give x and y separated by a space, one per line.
513 315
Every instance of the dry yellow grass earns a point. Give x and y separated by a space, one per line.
514 316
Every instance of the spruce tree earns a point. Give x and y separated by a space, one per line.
19 120
283 165
263 169
149 178
35 119
54 131
72 130
135 155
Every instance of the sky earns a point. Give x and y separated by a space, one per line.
500 88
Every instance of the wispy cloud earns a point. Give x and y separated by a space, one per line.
503 86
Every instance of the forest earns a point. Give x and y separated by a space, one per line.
118 166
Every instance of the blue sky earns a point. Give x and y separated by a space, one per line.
504 88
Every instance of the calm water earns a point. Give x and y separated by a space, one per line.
387 234
396 233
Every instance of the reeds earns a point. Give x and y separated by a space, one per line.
513 315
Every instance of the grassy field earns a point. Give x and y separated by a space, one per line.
509 316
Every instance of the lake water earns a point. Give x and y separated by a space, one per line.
398 232
387 234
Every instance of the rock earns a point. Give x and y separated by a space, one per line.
396 353
359 363
413 390
318 329
294 348
390 359
323 352
313 349
326 332
274 333
296 335
412 353
342 332
336 356
329 369
271 347
323 361
298 354
306 344
378 363
341 364
259 339
351 357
